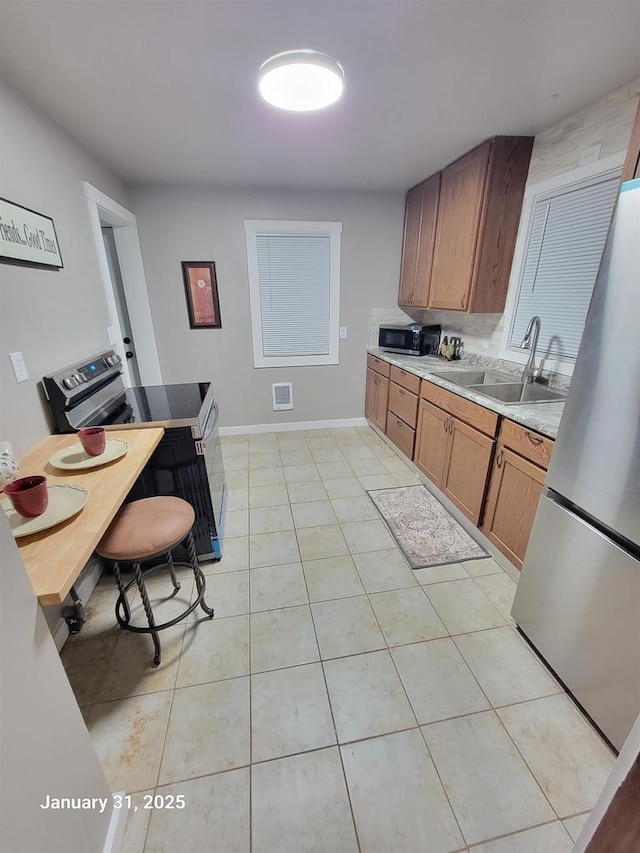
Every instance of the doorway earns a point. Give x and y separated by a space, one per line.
115 234
121 303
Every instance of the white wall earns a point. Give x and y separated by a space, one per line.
44 743
606 123
185 224
53 317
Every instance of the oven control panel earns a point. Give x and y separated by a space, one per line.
91 370
82 386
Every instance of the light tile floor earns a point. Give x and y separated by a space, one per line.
338 701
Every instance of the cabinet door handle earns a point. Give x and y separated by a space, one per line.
451 422
446 424
401 392
499 458
534 439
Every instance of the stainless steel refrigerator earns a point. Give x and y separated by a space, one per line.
578 600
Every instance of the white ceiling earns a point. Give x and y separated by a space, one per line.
165 91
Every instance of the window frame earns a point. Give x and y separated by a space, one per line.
275 227
607 167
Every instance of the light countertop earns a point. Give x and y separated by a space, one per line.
542 417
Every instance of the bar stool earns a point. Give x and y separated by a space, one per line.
142 530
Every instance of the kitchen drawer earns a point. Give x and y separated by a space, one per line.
400 434
407 380
403 403
377 364
528 443
483 419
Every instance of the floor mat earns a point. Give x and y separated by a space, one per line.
426 532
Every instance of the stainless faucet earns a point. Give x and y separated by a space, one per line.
530 341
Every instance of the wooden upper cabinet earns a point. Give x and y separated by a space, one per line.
461 195
426 240
419 238
631 168
412 218
461 252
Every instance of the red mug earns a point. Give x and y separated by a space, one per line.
93 440
28 495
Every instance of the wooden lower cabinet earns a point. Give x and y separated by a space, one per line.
376 398
452 441
431 441
455 456
400 434
512 500
467 468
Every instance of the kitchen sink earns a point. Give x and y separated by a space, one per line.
475 377
515 393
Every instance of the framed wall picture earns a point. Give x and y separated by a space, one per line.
27 238
201 291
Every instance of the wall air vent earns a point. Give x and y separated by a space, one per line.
282 394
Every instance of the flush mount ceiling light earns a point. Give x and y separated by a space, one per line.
301 80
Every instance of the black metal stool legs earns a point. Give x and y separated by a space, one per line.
172 571
123 610
199 576
149 612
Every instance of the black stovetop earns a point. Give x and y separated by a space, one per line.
148 404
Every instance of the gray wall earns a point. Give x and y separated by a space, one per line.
207 224
44 743
53 317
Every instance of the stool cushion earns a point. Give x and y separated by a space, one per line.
145 528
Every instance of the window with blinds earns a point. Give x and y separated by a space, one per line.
567 234
294 285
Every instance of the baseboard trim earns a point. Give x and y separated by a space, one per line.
60 633
115 830
249 429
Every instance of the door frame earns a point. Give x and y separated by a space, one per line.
104 210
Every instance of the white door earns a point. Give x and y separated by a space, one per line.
121 303
125 287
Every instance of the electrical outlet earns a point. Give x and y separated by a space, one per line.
343 332
19 367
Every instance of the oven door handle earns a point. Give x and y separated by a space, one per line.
212 422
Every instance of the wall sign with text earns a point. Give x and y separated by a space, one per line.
27 237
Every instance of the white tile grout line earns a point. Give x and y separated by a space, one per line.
333 721
435 767
250 816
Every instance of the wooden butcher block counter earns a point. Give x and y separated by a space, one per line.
54 558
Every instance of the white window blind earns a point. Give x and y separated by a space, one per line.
566 240
294 280
294 285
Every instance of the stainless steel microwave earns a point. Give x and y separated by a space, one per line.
410 340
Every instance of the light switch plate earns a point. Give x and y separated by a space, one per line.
19 367
343 332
